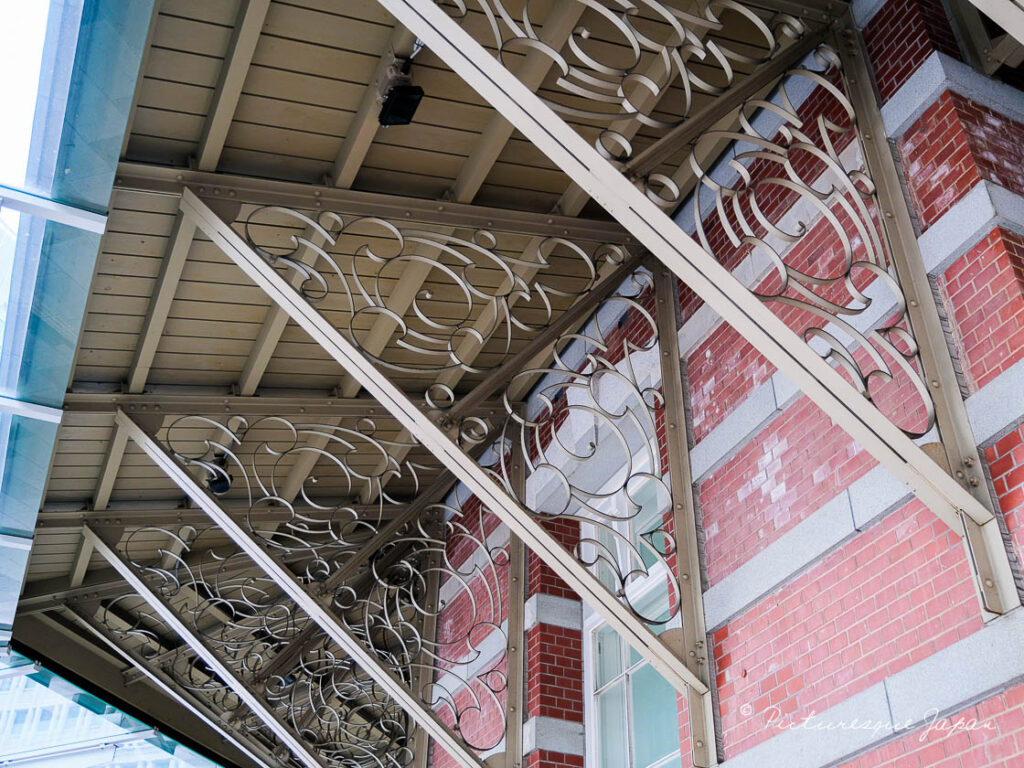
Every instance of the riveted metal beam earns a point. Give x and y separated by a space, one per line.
700 707
983 539
216 187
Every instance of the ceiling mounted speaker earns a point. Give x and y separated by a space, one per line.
398 96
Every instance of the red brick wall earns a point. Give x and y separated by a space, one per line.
953 145
554 685
984 293
989 734
545 758
888 598
785 473
1006 464
901 36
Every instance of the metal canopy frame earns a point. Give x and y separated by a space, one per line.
492 495
679 655
310 605
686 259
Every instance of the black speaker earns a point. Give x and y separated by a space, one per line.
400 105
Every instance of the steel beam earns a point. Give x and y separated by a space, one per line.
492 495
176 401
1008 14
171 266
28 410
163 180
46 594
425 671
700 707
722 291
111 465
246 34
167 614
291 586
362 130
515 651
52 210
984 542
61 515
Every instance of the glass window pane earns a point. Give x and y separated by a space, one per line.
647 519
654 605
655 717
607 655
38 40
611 727
608 549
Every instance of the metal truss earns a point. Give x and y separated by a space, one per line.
204 650
172 400
596 406
331 609
226 189
698 268
439 440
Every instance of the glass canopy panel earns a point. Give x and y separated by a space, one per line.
37 50
57 724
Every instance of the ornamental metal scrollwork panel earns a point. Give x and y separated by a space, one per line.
790 203
128 623
242 617
646 62
251 461
592 438
475 285
265 639
465 662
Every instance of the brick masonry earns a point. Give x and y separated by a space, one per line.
1005 459
989 734
984 293
901 36
893 595
953 145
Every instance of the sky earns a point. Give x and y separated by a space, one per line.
22 29
22 32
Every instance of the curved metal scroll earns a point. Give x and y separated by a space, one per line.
829 275
625 57
592 448
473 289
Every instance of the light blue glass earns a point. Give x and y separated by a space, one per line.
611 735
607 655
44 716
655 717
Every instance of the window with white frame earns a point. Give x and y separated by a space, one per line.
632 712
633 716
